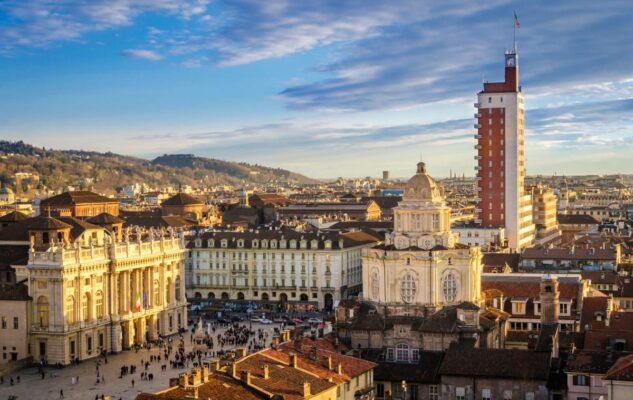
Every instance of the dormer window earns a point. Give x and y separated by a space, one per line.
273 244
264 244
240 243
255 243
564 307
198 243
210 243
519 305
328 244
293 244
223 243
282 244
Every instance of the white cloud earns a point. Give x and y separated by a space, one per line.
142 54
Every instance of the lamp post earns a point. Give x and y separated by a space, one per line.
404 390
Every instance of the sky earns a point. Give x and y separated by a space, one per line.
325 88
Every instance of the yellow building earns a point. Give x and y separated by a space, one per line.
95 291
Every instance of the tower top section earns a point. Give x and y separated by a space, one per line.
422 187
511 82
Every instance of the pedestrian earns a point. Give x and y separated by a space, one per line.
132 382
61 393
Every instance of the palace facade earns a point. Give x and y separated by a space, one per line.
97 288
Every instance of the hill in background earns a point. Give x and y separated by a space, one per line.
104 172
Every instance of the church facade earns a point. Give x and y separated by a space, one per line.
421 267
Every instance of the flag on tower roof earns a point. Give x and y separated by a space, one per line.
516 20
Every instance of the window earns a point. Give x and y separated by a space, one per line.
564 308
485 394
460 393
99 304
415 355
449 288
408 288
518 307
507 395
581 380
70 310
4 323
402 352
15 322
85 307
390 354
434 393
42 311
380 390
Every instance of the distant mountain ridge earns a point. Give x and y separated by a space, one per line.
105 172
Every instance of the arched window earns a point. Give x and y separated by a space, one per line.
449 287
70 310
408 288
85 307
42 311
402 352
99 304
177 288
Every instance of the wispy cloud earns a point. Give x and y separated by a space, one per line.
142 54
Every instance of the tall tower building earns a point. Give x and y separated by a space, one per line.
501 158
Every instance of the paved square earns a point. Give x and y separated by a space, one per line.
32 386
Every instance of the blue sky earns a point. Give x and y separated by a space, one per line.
326 88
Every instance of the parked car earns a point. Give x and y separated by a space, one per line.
256 319
237 318
265 321
279 320
314 320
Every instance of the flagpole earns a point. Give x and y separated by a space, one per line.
514 31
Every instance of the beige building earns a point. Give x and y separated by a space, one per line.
15 310
544 206
288 267
94 292
421 266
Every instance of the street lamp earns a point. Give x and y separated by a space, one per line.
404 390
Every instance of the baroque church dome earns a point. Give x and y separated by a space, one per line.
422 187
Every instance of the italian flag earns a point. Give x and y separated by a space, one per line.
516 20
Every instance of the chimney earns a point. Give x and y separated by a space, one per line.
205 372
265 370
275 343
215 366
306 389
183 380
293 360
339 369
245 376
329 362
234 370
241 352
313 353
549 296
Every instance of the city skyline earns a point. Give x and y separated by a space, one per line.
323 90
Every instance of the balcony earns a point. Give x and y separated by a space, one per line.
477 126
477 157
478 168
477 115
478 210
478 221
327 288
478 178
477 146
477 105
477 137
